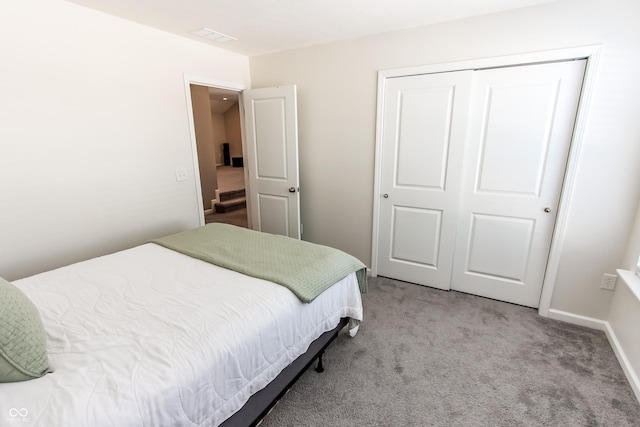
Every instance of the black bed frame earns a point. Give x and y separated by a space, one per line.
261 402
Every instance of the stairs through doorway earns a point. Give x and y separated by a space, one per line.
231 200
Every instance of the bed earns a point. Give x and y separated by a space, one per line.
158 336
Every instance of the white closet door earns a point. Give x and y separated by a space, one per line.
519 133
424 121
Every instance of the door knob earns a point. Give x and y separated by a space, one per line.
292 190
385 195
547 210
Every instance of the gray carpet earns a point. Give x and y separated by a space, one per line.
237 217
425 357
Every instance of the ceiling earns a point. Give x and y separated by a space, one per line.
222 99
266 26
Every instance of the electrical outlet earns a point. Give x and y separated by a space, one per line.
608 281
181 174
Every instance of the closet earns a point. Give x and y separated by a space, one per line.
470 176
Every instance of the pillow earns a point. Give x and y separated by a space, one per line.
23 351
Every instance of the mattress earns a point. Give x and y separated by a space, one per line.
151 337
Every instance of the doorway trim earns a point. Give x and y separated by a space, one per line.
591 54
190 79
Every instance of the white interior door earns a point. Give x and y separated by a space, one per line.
271 159
424 121
519 134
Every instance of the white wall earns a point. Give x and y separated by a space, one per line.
94 124
633 243
624 313
337 106
623 320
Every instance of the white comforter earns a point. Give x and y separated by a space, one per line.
151 337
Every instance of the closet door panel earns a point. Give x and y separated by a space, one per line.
505 258
423 137
424 126
406 248
516 129
519 135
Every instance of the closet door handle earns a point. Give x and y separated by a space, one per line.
547 210
385 195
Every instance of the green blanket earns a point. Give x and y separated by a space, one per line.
307 269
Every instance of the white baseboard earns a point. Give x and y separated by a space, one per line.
576 319
631 374
603 325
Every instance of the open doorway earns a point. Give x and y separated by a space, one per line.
231 205
217 129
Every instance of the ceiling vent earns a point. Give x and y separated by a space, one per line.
213 35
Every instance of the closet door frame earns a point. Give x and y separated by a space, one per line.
591 54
